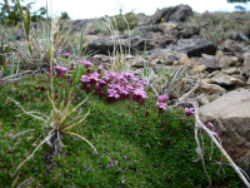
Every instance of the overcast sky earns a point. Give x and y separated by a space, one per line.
83 9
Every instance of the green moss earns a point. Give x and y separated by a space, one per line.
134 150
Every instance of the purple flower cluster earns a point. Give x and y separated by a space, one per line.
111 85
115 86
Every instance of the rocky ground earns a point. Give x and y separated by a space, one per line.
214 46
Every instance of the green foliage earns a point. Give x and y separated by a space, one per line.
64 15
134 33
121 22
134 150
10 15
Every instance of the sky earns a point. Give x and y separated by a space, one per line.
84 9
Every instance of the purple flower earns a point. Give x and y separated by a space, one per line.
72 65
61 70
162 98
97 87
88 88
124 93
85 63
99 69
209 124
128 76
113 93
147 113
139 95
101 82
189 111
215 133
71 81
66 55
143 82
84 79
93 78
161 106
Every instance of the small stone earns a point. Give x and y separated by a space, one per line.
225 62
219 54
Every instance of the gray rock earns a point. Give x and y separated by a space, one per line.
188 31
219 54
232 110
232 47
226 80
225 62
139 64
210 65
232 70
194 47
146 29
248 32
105 45
246 65
153 41
239 37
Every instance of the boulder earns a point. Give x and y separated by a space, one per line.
177 13
232 110
193 47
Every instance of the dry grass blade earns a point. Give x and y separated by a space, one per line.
71 126
30 113
86 140
47 139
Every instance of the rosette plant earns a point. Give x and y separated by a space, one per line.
60 121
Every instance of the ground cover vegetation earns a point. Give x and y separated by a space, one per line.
78 125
